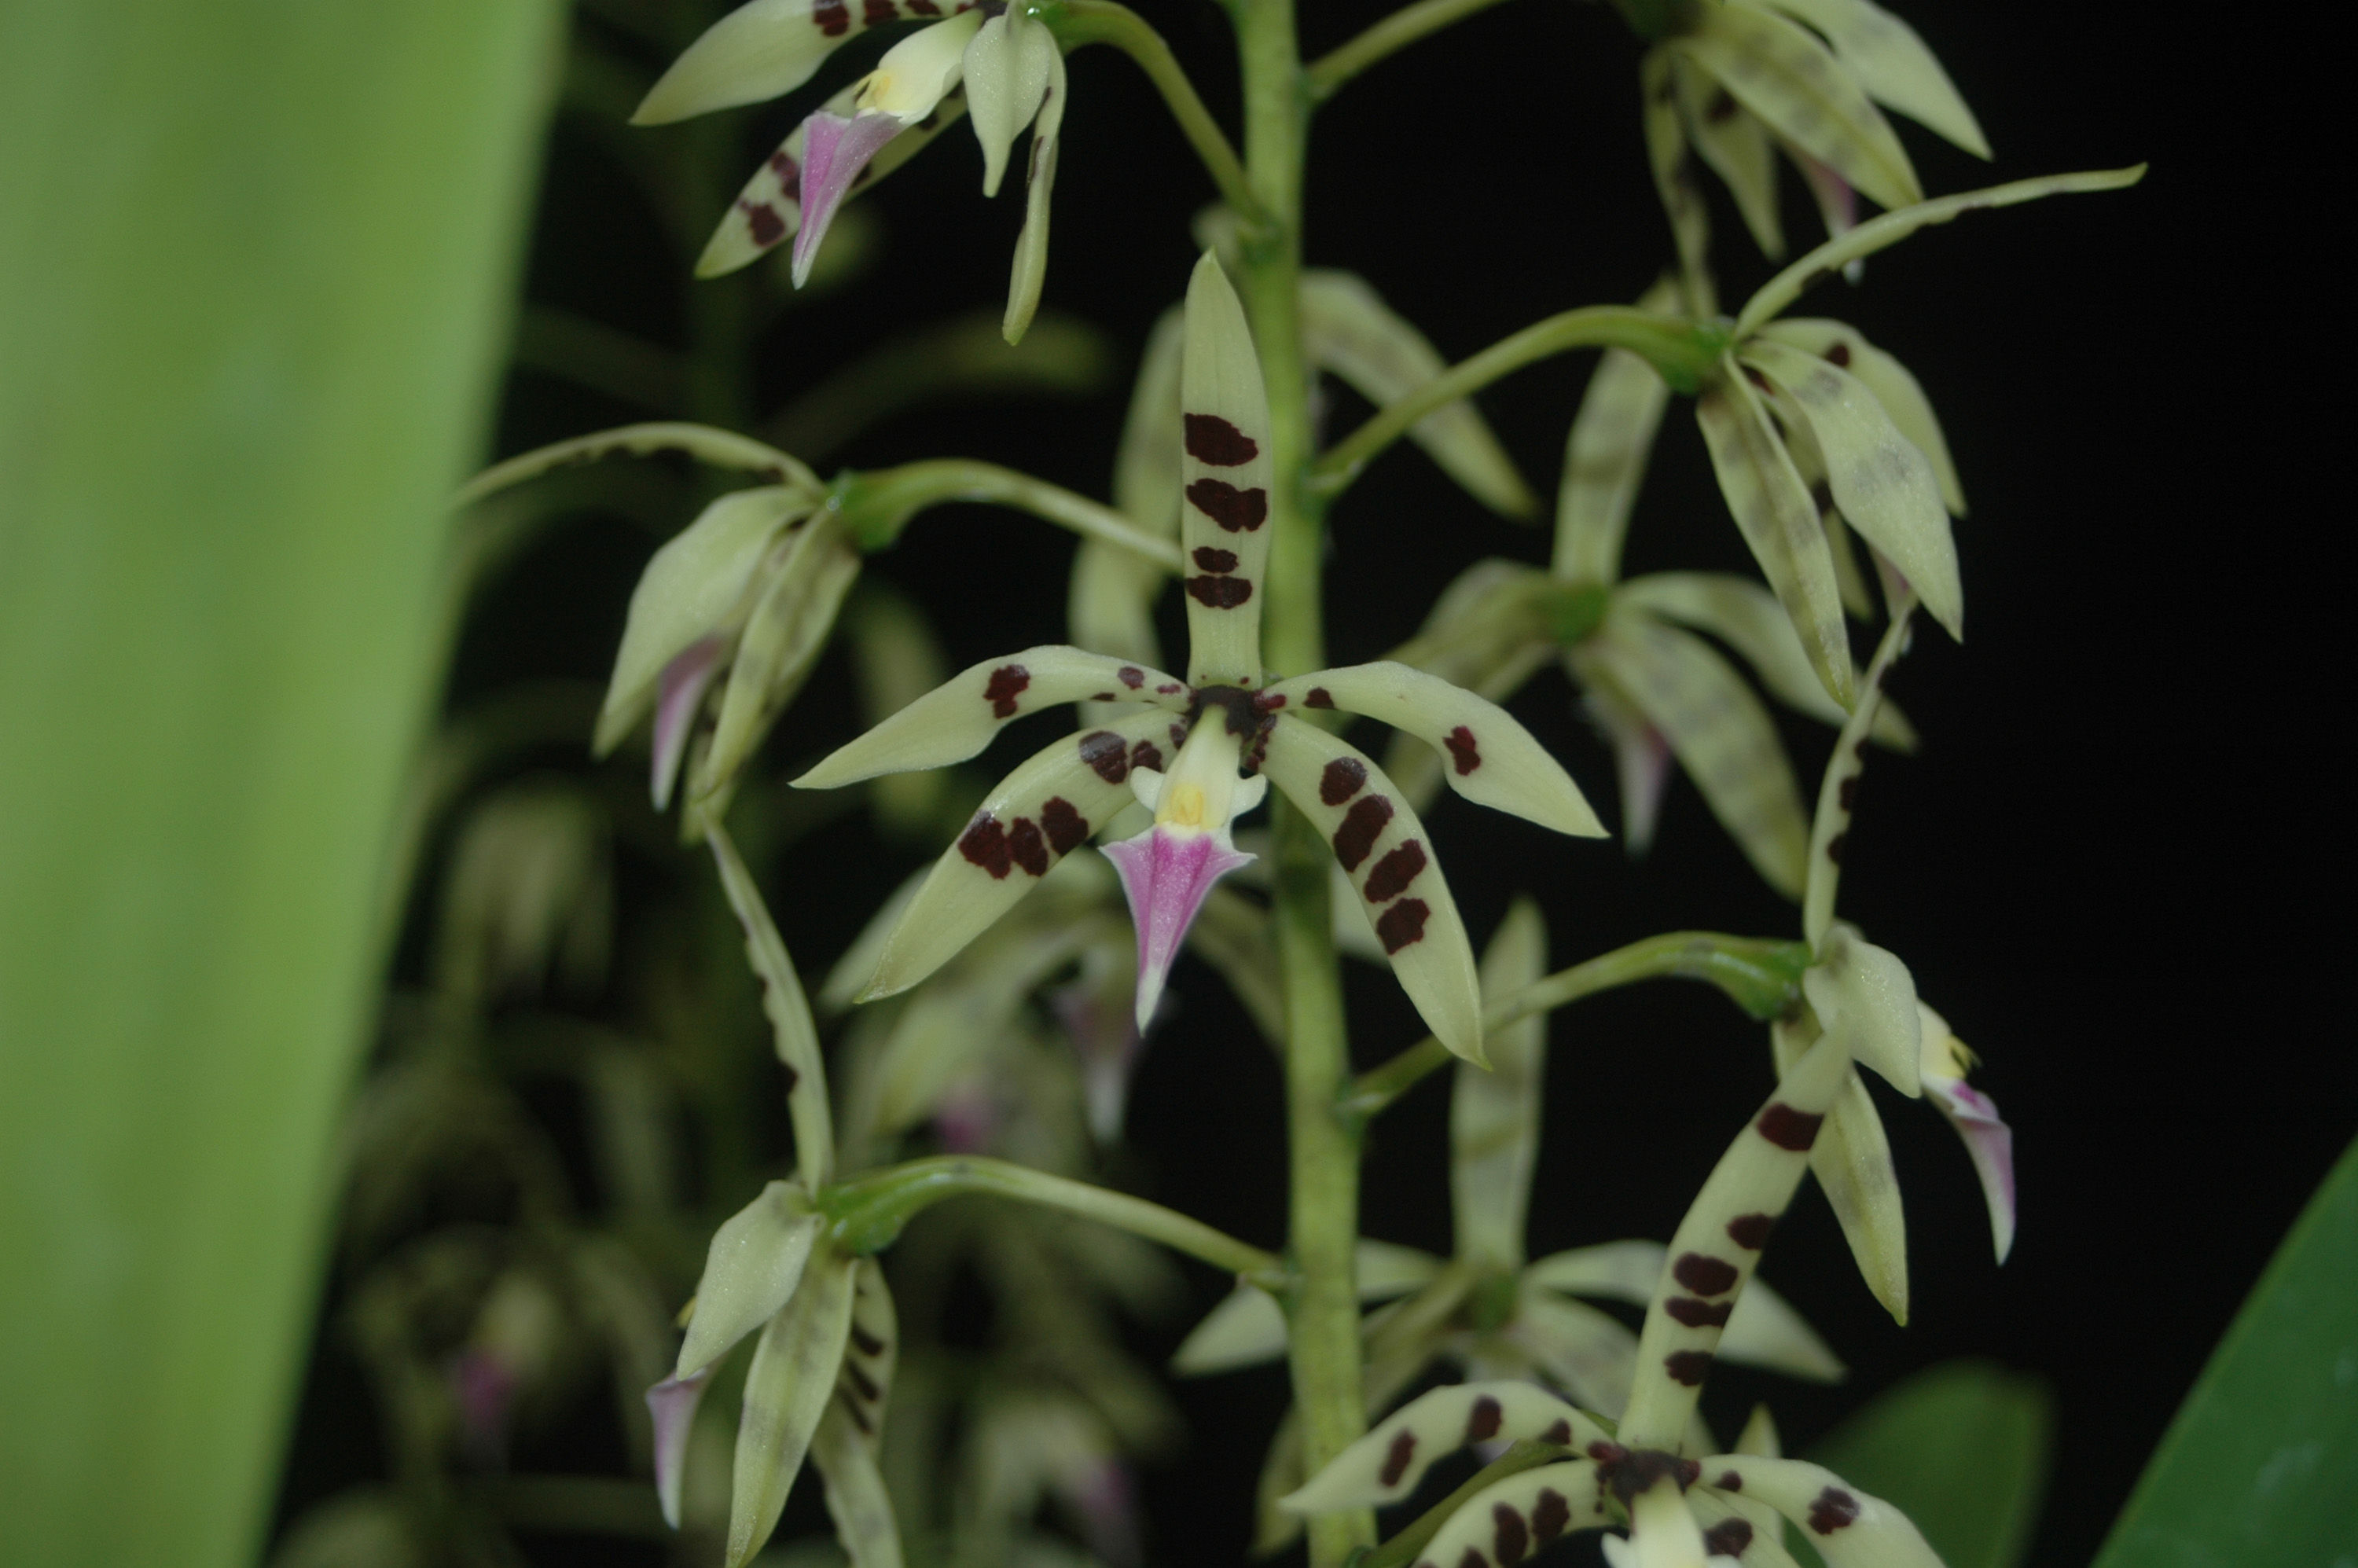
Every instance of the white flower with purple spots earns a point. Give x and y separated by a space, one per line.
1203 750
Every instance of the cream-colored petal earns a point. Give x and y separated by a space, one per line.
1764 1330
1006 76
1350 331
1849 1528
1493 1116
1746 617
1387 1463
919 71
1493 760
1500 1523
1893 386
760 50
792 1034
1865 993
1662 1534
788 1391
958 719
1045 808
1737 147
1605 456
1852 1160
752 1268
1225 469
1377 838
1780 72
782 641
1028 273
1886 57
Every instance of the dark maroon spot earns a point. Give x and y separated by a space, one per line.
1460 743
1396 1458
1103 696
1238 711
1318 697
923 8
1608 1453
1357 834
792 1078
1510 1541
1178 735
1706 1276
1342 779
1559 1432
1549 1515
1729 1481
1268 701
1839 354
1482 1422
858 1418
1170 688
1755 378
1787 1128
1237 511
1699 1313
1848 793
985 843
1402 924
1102 750
1728 1538
1066 826
876 13
1631 1472
1858 751
1212 439
1721 107
767 226
860 1381
782 165
1750 1231
1146 754
1834 847
1130 676
1026 847
1007 683
1395 871
1472 1558
1220 592
831 18
1688 1366
1213 560
1832 1510
1822 496
869 1346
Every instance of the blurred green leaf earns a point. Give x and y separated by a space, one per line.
2261 1466
255 256
1961 1449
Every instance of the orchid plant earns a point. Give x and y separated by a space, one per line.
949 1077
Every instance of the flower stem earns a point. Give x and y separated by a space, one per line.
1394 33
1079 22
1679 349
876 506
869 1210
1761 975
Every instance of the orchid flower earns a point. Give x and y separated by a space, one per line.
1205 749
1002 66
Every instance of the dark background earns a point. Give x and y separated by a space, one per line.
2108 864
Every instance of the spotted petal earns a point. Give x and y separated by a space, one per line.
1773 511
1494 1117
1885 486
1506 1522
1738 148
1897 390
1787 78
1349 330
1886 57
1378 839
756 1261
1849 1528
1605 455
958 719
1387 1463
760 50
845 1447
1039 813
788 1390
1493 760
1763 1331
1224 471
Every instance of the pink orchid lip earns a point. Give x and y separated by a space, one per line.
834 152
1989 1141
679 689
1167 874
672 1403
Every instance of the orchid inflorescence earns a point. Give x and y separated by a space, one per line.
1839 480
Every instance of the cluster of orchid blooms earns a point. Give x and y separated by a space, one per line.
1820 443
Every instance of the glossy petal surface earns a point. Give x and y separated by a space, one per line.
1849 1528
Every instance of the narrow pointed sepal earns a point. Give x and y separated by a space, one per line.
1492 758
1501 1523
1386 1464
1224 472
679 696
1248 1326
1027 272
1764 1330
783 635
1739 149
787 1392
958 719
671 1407
1606 456
1854 1165
1044 810
1850 1527
1662 1533
1167 873
793 1033
846 1444
1885 56
1865 994
1006 71
752 1270
1379 843
1838 789
1494 1117
1894 386
760 50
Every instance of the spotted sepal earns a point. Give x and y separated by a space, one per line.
1225 469
1894 386
1028 270
1662 1533
1038 813
1838 789
1721 733
1352 333
1764 1330
1884 485
766 48
845 1446
1717 1246
789 1389
1493 1116
1674 180
782 641
769 210
1737 147
960 716
1885 56
1782 74
1379 843
1747 1535
1248 1326
756 1259
1386 1464
1849 1528
791 1032
1605 455
1492 758
700 583
1510 1519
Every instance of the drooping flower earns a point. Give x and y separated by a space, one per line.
1198 754
1005 68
